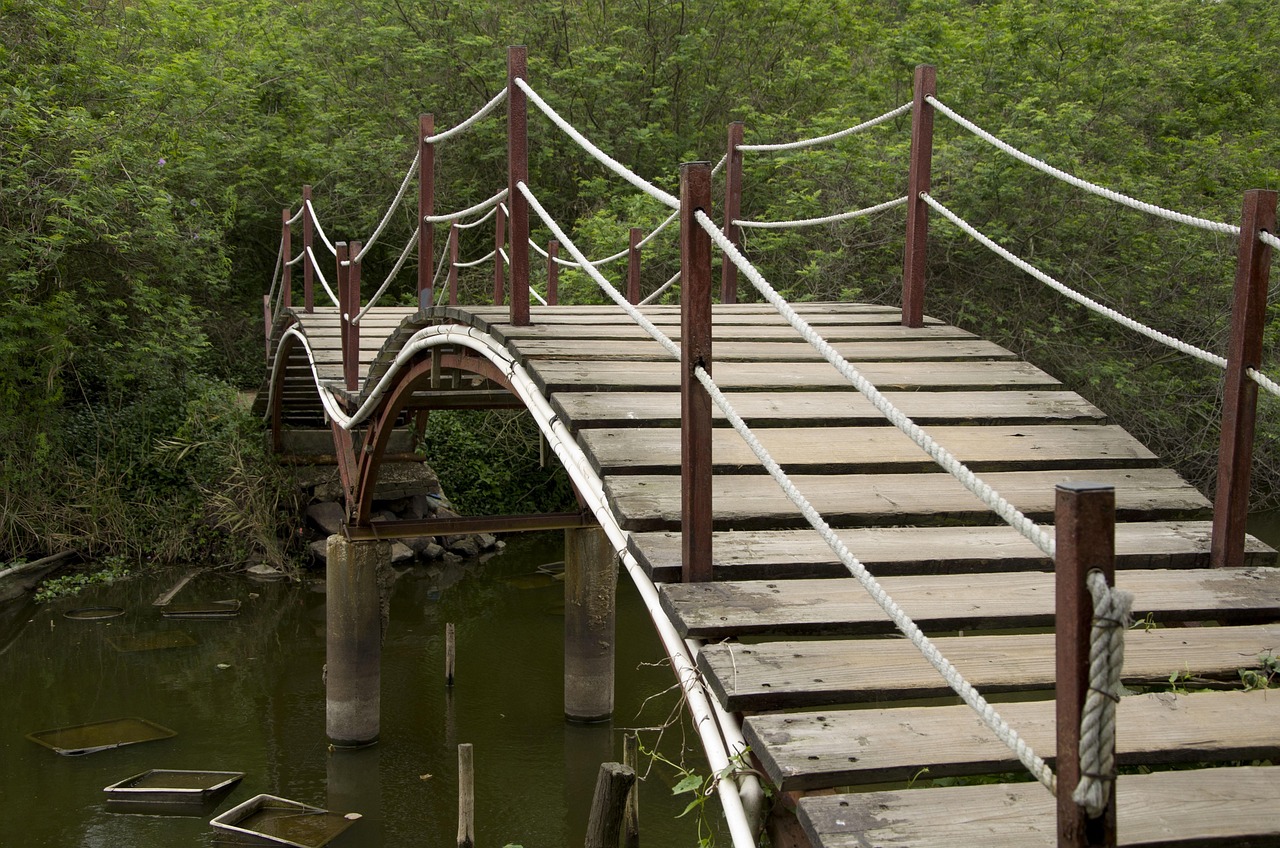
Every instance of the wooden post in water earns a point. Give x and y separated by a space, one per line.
1084 517
631 819
450 647
499 267
466 797
612 785
353 640
732 209
1240 392
426 207
453 264
553 273
590 590
695 347
913 262
518 172
308 270
286 256
351 365
633 265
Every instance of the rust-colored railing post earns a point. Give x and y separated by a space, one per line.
351 365
695 348
453 264
913 260
1240 392
308 270
1084 517
518 172
340 280
266 323
732 209
553 273
286 255
499 267
633 265
426 207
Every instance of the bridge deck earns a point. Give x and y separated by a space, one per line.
832 705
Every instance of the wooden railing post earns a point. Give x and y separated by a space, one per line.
553 273
453 264
340 280
351 365
518 172
913 262
286 255
1084 518
732 209
426 207
633 265
266 322
499 267
308 270
1240 392
695 348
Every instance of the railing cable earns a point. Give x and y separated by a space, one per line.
830 219
395 204
660 290
315 220
296 216
475 262
466 125
404 254
470 210
315 266
835 136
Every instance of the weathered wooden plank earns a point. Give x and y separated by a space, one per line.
554 375
602 350
662 317
1227 808
805 751
842 450
729 332
753 501
794 554
662 408
788 674
842 607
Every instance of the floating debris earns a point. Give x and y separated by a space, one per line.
168 596
93 613
553 569
270 820
209 609
152 641
175 792
100 735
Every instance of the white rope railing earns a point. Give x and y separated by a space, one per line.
395 204
1092 188
315 266
315 221
1267 238
444 258
404 254
276 275
466 125
604 158
1111 615
296 216
493 210
835 136
470 210
660 290
474 262
295 260
537 296
506 259
1265 382
830 219
1083 300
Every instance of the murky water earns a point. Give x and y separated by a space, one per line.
247 696
1266 526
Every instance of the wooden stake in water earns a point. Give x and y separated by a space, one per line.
612 785
466 798
449 647
631 818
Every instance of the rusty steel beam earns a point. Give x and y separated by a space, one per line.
467 525
695 348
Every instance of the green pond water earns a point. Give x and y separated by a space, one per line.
245 694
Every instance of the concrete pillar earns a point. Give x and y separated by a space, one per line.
590 591
353 644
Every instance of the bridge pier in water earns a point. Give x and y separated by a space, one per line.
590 592
353 644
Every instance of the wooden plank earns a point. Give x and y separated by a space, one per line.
794 554
729 332
662 408
755 502
842 607
789 674
1228 807
600 350
806 751
553 375
842 450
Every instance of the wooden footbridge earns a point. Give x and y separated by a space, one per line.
858 734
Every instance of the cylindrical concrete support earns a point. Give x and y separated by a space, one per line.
590 590
353 645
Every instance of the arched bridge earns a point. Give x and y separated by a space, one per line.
787 484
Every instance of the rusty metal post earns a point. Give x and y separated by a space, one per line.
453 264
1240 393
499 267
695 348
1085 517
351 365
308 271
633 265
340 280
913 261
426 207
518 172
553 273
732 209
286 254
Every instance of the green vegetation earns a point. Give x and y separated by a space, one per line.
148 147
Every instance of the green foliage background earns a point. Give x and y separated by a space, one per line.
147 146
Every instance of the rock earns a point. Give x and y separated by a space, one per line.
263 571
426 547
404 479
319 550
420 506
443 511
401 552
487 541
384 515
450 558
466 546
327 516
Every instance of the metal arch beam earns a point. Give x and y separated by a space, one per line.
284 345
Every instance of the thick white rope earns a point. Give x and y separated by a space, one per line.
1083 300
1264 381
493 210
604 158
466 125
830 219
444 257
315 221
835 136
473 263
1092 188
1267 238
537 296
658 292
295 260
470 210
315 266
569 263
395 204
1111 618
506 259
276 275
296 216
989 496
992 719
404 254
615 295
